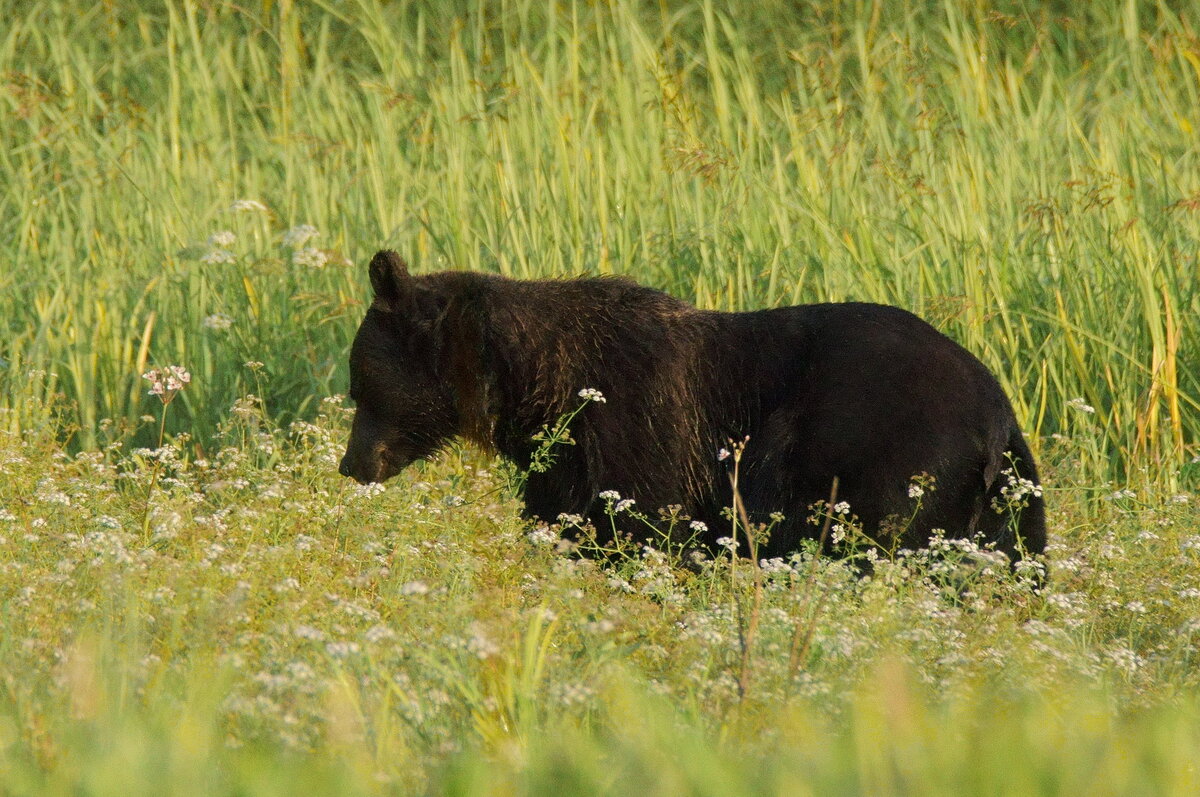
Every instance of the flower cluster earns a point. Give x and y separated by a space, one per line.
308 257
1080 405
222 239
166 382
592 394
1016 492
298 236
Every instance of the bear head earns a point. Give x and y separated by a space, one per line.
405 404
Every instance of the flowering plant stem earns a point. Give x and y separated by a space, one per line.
162 428
747 629
166 384
802 633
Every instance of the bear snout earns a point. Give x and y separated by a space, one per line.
360 474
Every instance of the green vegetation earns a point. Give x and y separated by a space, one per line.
220 613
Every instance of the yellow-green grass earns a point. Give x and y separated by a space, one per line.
1026 177
235 618
274 628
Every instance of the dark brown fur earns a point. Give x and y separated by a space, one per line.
867 393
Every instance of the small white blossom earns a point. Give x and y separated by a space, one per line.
309 258
222 239
218 321
915 491
379 633
698 526
624 505
218 257
167 381
340 650
481 646
592 394
1081 405
308 632
298 236
1016 492
542 535
841 507
610 495
247 406
727 542
722 454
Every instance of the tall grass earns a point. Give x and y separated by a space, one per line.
1025 177
223 614
275 629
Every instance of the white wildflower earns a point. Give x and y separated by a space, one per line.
698 526
610 495
218 257
542 535
166 382
309 258
592 394
308 632
481 646
340 650
222 239
379 633
841 508
298 236
915 491
218 321
1016 491
1080 405
247 406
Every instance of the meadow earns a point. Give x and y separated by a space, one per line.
194 602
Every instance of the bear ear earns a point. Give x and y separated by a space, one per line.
389 279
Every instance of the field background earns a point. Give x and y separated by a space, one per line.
217 612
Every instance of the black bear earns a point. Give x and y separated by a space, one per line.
866 393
